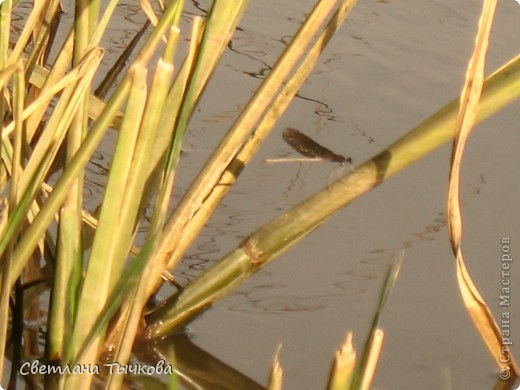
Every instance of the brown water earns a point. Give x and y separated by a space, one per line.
391 66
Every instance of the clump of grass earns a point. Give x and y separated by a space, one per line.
52 123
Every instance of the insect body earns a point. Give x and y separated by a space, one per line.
310 148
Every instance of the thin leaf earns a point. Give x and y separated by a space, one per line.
373 344
368 370
107 257
5 266
126 285
130 207
469 100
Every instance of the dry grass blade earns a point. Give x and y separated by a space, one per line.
276 375
367 374
149 12
467 115
42 101
469 102
34 172
29 28
5 266
343 366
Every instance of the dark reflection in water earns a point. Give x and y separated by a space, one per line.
265 299
245 47
451 17
196 368
428 233
281 304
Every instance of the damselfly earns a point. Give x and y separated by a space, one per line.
310 148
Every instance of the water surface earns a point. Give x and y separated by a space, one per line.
391 66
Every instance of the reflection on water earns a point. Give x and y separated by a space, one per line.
279 304
450 16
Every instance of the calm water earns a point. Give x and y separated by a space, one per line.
391 66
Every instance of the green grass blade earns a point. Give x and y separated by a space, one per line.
373 344
106 262
165 186
222 19
69 259
125 328
131 206
125 287
67 277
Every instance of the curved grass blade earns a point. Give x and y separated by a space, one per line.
469 100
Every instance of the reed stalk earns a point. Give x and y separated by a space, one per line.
100 288
277 236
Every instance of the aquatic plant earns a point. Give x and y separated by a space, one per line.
100 279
